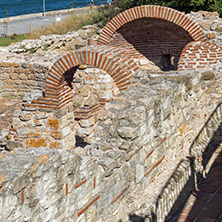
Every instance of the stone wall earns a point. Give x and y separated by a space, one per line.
20 74
211 25
17 79
34 126
140 137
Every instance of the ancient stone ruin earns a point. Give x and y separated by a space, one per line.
123 127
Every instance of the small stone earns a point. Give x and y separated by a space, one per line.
78 100
128 132
108 164
218 29
25 117
85 123
92 100
41 115
211 35
13 144
139 173
207 75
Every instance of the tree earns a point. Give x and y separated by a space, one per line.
182 5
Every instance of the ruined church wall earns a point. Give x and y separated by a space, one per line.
16 79
106 181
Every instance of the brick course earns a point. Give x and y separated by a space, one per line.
199 55
17 79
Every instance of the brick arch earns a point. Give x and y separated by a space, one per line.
199 55
151 11
118 65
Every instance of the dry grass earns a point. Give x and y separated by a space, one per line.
73 22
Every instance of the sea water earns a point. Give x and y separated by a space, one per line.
22 7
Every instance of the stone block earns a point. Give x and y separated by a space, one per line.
207 75
84 131
139 173
69 141
55 145
91 100
85 123
13 144
54 123
41 115
35 143
218 29
66 131
57 134
78 100
25 117
25 132
211 35
143 62
105 95
60 112
128 132
108 164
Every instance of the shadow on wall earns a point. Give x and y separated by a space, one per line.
189 171
158 40
206 201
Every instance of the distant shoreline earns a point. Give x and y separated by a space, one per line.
64 11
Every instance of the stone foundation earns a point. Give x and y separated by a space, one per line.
142 137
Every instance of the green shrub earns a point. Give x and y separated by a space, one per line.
45 47
104 14
32 50
182 5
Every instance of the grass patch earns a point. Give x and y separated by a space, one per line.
73 23
5 41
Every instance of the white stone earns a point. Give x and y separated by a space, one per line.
144 62
10 203
66 131
85 123
139 173
81 218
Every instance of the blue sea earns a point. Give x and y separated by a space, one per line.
21 7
